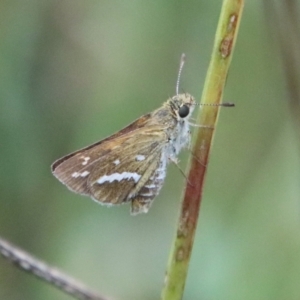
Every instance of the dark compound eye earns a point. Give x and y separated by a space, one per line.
183 111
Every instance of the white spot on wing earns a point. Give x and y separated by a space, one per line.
150 186
117 162
119 176
146 194
84 174
140 157
85 159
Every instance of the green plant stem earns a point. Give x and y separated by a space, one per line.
208 115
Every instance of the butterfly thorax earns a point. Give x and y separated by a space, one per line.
175 123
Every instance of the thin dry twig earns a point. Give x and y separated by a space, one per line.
53 276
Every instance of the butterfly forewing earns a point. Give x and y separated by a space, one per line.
83 159
116 169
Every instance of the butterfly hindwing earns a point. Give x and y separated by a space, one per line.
122 181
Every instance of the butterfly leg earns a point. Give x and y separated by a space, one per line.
189 147
176 162
196 158
201 126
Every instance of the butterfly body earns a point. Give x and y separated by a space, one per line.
130 165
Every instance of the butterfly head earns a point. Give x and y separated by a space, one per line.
182 105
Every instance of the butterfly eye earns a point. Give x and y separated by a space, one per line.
184 110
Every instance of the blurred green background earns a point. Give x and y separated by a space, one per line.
73 72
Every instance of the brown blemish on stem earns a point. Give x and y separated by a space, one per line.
183 229
227 41
232 22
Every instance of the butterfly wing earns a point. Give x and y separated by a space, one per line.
78 163
116 169
136 125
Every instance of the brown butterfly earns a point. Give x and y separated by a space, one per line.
130 166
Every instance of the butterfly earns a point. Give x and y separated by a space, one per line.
130 165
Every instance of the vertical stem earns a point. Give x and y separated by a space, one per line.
225 38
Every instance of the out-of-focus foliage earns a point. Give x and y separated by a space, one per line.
73 72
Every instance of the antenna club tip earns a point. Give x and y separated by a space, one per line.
228 104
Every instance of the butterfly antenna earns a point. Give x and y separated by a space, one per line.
224 104
182 61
